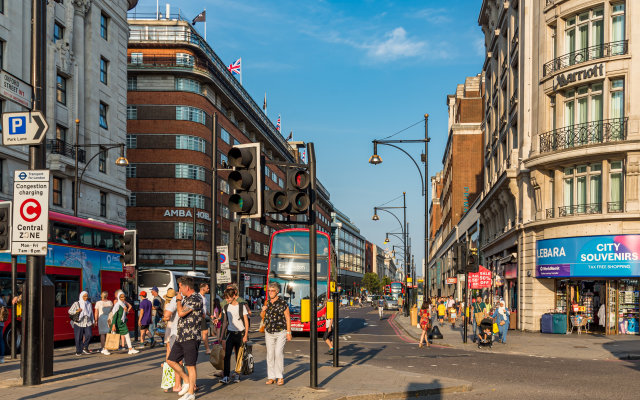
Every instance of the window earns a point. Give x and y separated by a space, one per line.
188 85
189 200
224 135
104 26
616 184
61 89
617 104
188 171
58 31
102 160
187 113
281 182
104 109
132 141
136 58
224 186
132 171
225 212
104 70
582 189
184 230
224 237
103 204
617 30
61 133
185 142
184 59
583 31
132 112
265 250
582 105
256 247
132 83
257 225
67 290
224 160
57 191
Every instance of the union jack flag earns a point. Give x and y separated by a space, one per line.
278 124
304 156
235 67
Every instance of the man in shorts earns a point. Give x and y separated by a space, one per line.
144 319
185 348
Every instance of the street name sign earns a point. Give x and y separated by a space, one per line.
30 213
22 128
16 90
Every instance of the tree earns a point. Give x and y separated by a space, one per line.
385 281
370 282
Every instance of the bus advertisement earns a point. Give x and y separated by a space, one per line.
289 267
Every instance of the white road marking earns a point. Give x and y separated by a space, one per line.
433 365
409 366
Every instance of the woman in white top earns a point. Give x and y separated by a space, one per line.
234 330
102 309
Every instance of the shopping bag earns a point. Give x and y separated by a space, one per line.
112 342
247 359
216 358
495 328
239 359
261 329
168 377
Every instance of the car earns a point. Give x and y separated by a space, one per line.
374 300
390 303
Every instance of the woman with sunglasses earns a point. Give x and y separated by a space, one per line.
277 330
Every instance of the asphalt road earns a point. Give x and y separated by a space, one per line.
366 339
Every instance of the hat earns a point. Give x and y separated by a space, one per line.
143 294
155 288
170 294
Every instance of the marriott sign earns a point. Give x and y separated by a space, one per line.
562 80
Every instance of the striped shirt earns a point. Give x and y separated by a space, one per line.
84 321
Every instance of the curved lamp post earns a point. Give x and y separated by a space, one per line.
375 159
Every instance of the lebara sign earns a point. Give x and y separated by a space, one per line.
589 256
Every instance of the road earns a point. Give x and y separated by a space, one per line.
366 339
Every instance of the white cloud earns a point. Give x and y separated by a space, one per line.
433 15
396 45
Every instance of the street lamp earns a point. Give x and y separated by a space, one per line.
375 160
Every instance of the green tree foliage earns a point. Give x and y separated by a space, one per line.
371 283
385 281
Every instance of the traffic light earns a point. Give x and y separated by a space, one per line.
128 248
297 194
238 242
459 257
5 226
275 201
246 180
472 264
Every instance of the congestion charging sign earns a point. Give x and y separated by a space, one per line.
30 213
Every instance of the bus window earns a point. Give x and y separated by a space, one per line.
159 278
103 240
86 236
63 233
67 290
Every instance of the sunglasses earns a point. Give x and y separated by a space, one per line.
272 290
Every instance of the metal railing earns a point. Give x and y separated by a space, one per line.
550 213
615 207
586 54
591 208
182 34
549 2
603 131
57 146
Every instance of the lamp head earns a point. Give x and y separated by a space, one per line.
375 215
386 240
375 158
122 160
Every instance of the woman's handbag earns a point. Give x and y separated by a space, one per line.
261 329
495 328
112 342
168 377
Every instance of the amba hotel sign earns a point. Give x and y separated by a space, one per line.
587 74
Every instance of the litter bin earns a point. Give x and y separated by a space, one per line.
414 316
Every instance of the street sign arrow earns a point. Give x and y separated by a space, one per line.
22 128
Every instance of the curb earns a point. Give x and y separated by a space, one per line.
410 393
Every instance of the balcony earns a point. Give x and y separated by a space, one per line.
603 131
580 209
57 146
587 54
615 207
549 2
550 213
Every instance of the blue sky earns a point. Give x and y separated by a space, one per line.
342 73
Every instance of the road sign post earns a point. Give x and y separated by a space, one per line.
30 213
24 128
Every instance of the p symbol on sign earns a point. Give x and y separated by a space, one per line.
17 125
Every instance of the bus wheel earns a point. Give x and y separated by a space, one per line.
7 339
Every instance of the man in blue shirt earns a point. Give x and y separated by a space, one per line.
144 320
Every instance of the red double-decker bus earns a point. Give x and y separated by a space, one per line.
82 255
289 266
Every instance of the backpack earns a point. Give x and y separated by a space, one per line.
247 360
4 313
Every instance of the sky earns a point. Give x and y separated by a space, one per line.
343 73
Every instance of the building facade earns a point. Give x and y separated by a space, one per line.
350 247
86 48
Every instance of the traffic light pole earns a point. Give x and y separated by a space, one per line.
313 272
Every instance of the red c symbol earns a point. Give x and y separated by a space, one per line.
30 210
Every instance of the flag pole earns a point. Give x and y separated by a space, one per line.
205 25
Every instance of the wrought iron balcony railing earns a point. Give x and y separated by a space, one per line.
615 207
550 2
57 146
591 208
550 213
603 131
586 54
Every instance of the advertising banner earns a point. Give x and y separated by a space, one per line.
480 279
607 256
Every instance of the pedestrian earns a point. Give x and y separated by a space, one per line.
235 331
170 318
277 331
144 319
185 348
156 314
442 310
82 320
501 317
4 316
204 289
102 309
215 318
451 302
478 315
119 320
380 306
328 334
425 323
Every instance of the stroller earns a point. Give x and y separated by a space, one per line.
485 333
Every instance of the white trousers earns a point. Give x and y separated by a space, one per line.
275 353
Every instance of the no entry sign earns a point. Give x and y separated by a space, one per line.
30 213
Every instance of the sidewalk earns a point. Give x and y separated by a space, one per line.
138 377
584 346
